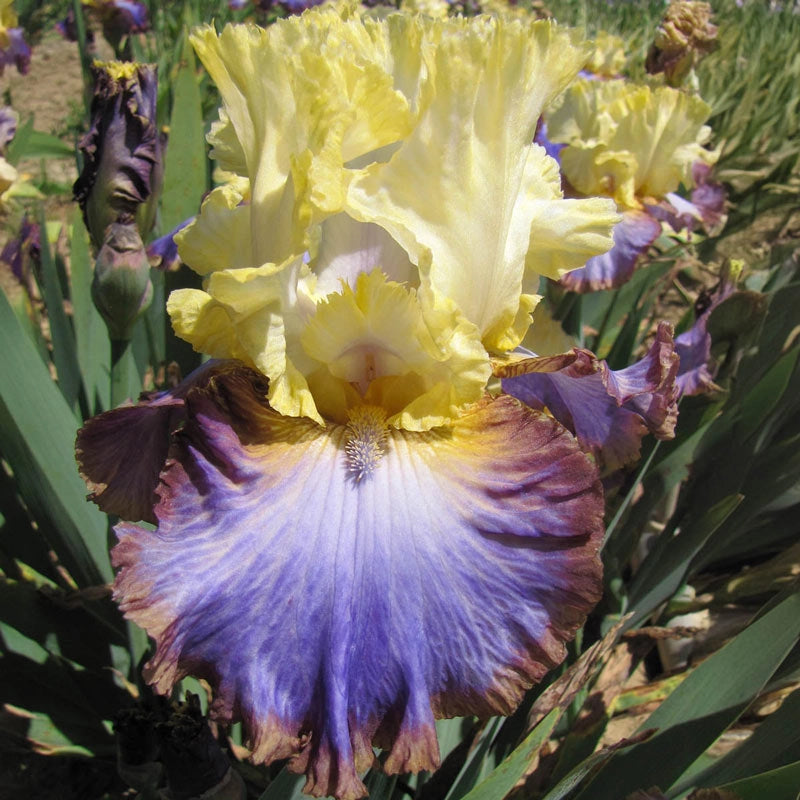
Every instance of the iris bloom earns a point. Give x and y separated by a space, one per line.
637 145
354 536
13 47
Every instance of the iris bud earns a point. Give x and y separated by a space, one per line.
121 288
122 170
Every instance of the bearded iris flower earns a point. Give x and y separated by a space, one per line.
637 145
354 536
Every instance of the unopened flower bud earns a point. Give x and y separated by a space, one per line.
122 172
121 289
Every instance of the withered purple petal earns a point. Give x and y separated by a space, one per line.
122 150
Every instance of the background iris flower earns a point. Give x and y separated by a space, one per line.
638 145
354 536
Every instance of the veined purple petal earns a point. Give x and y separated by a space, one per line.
632 237
122 452
610 411
331 613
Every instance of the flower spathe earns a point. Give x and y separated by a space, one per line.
354 537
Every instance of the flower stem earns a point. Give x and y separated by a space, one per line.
123 371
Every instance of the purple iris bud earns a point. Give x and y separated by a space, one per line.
15 50
237 5
121 174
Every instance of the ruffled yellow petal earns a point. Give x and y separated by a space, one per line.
302 99
220 237
629 142
564 234
455 194
246 314
418 362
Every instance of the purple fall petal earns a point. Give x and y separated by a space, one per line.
610 411
637 231
331 613
697 368
122 452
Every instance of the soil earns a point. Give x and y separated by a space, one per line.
51 93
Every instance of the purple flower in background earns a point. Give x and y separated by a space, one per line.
605 133
13 47
9 119
120 17
22 251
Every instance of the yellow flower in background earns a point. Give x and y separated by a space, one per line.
381 145
608 58
630 142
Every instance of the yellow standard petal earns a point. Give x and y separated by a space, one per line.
458 194
301 99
